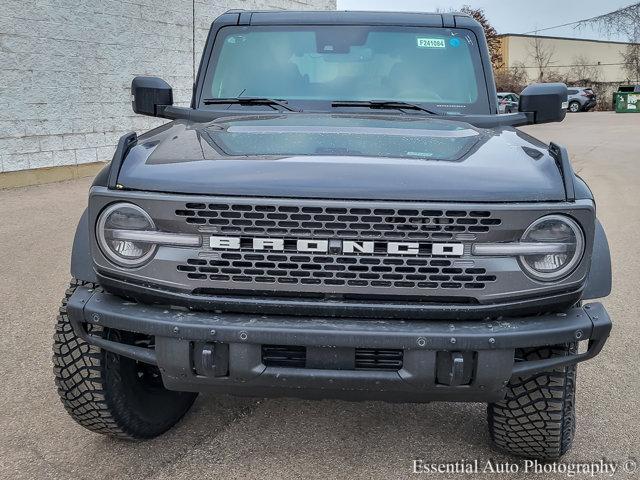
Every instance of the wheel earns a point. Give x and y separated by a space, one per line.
574 106
107 393
537 417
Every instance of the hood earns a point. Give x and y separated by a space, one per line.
386 157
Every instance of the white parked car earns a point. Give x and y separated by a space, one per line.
508 102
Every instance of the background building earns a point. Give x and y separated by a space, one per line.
66 68
575 61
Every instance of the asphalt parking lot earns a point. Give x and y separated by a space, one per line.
287 438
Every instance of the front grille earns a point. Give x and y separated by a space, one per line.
340 257
378 359
337 222
380 271
335 272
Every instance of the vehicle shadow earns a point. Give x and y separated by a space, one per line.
272 436
263 438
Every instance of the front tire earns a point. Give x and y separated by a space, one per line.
537 417
107 393
574 107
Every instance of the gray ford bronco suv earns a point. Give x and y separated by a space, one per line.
339 213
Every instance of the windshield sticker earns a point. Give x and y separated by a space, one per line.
423 42
420 154
236 39
454 42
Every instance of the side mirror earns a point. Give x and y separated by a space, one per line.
150 96
544 102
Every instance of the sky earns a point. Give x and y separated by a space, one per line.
513 16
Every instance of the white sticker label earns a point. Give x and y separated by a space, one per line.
430 42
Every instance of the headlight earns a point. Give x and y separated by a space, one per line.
562 241
125 250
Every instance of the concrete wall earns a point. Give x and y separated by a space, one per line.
605 56
66 68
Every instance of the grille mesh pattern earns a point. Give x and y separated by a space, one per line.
338 270
339 222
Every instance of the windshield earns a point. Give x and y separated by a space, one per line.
438 68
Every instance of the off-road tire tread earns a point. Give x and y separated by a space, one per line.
537 417
81 379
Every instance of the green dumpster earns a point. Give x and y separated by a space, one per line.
627 102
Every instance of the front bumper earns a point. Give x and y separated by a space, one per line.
440 360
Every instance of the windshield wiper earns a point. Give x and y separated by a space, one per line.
381 104
250 101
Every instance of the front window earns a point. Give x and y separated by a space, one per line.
438 68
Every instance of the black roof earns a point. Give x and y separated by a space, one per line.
271 17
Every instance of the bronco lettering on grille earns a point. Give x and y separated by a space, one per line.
326 246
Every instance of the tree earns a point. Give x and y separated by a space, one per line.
542 54
553 76
493 41
631 62
625 20
582 72
512 79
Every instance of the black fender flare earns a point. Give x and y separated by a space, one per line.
81 259
599 279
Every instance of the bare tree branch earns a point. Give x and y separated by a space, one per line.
511 79
625 20
631 62
542 54
583 73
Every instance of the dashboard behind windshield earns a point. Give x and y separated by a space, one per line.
439 68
